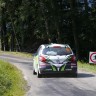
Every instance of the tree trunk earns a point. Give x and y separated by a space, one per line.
15 38
59 25
2 40
2 31
74 29
86 8
12 41
47 31
58 36
46 21
4 37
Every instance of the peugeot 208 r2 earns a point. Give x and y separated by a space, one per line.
54 58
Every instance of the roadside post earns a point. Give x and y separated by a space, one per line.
92 57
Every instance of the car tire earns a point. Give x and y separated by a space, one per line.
34 73
75 75
39 75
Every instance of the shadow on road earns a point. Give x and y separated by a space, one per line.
85 75
58 76
80 75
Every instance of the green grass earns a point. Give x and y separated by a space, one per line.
21 54
87 67
12 82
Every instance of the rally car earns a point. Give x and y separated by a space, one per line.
53 59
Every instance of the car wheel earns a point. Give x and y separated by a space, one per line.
34 73
75 75
39 75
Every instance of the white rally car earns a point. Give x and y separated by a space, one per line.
54 58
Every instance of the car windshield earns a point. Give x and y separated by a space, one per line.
57 51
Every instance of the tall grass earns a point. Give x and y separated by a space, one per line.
87 67
11 80
21 54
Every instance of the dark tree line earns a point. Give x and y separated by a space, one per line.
25 24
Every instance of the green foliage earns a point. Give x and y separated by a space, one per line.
21 54
87 67
30 23
11 80
5 83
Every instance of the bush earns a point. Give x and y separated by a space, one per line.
11 80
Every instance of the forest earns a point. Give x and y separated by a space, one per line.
26 24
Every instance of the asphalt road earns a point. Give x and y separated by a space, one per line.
83 85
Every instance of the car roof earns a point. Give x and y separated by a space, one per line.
54 44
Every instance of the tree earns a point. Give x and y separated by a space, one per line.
73 7
4 36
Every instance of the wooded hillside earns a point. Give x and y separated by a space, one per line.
25 24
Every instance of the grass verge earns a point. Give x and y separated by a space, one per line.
12 82
87 67
21 54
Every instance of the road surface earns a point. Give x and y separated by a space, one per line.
83 85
